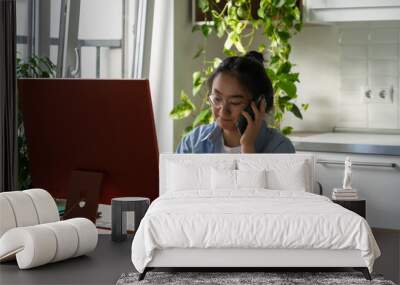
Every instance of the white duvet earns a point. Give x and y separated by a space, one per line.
250 219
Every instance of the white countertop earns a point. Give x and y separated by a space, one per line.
346 138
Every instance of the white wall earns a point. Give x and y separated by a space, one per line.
315 52
369 61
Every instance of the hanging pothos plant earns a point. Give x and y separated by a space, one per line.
33 67
237 21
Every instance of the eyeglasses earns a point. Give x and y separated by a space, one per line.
218 101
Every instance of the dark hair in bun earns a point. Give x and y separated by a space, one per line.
255 55
250 72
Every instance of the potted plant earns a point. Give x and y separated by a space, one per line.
33 67
237 22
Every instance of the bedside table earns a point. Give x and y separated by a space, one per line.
357 206
119 206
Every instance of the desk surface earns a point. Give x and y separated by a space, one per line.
102 266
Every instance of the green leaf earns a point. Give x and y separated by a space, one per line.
269 28
296 111
256 23
243 13
228 42
261 48
203 5
209 71
284 68
221 28
284 35
297 14
264 3
229 52
261 13
215 15
287 130
196 28
271 74
278 116
216 62
196 77
298 27
202 118
239 29
305 106
294 77
239 47
288 87
198 81
280 3
285 99
183 109
232 12
199 52
206 30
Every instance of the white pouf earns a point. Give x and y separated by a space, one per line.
45 205
31 231
67 239
37 245
23 208
7 218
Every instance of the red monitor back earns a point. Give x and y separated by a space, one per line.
103 126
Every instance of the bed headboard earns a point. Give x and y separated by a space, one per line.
239 159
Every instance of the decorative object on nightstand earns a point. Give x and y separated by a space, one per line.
358 206
119 207
346 192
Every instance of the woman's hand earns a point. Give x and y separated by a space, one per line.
248 139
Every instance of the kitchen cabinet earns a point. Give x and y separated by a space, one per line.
198 17
330 11
377 181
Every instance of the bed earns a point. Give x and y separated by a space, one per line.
247 211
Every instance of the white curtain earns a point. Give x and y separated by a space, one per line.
161 72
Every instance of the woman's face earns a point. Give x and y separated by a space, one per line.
228 99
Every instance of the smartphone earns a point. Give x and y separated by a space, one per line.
242 122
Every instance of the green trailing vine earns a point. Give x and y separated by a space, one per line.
33 67
237 22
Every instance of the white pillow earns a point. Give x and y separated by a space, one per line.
188 175
251 178
235 179
294 180
223 179
283 173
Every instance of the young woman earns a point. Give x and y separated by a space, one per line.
238 82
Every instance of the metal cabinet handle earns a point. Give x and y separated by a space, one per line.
370 164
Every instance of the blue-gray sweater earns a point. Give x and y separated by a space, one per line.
208 139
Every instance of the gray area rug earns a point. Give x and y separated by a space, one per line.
228 278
